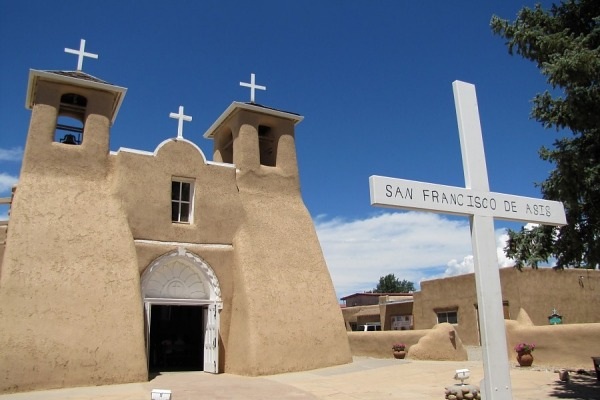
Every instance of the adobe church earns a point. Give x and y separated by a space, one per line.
119 264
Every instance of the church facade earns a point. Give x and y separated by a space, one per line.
118 264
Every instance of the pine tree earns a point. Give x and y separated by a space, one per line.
391 284
564 42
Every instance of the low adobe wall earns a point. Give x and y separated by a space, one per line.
559 346
563 346
440 343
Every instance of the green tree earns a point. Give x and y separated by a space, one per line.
564 42
391 284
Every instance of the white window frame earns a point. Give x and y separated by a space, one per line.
189 201
445 313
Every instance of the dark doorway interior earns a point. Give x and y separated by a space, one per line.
176 338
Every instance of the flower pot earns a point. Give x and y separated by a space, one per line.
525 359
399 354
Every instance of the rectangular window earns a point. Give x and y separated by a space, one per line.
182 194
447 316
402 322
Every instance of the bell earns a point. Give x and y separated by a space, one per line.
69 139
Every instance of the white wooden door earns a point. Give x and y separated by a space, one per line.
211 340
147 320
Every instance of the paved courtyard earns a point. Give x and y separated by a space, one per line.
365 379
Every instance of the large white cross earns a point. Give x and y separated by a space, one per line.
482 206
180 116
253 86
81 53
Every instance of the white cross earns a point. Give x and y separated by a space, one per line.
81 53
252 87
481 206
181 117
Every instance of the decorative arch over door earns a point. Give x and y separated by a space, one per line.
183 278
180 275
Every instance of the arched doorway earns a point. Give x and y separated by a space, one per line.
182 299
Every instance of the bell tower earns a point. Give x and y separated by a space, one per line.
72 113
69 262
280 276
255 137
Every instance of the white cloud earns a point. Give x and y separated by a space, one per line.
467 265
406 244
413 246
501 240
529 226
454 267
7 181
14 154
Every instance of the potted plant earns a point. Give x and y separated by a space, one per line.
399 350
524 356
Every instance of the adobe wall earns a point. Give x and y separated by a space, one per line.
285 316
535 291
559 346
69 264
144 185
2 243
575 293
440 343
450 294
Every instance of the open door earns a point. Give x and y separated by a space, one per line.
211 340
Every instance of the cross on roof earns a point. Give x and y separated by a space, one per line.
81 53
253 86
181 117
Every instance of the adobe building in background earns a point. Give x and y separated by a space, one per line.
573 293
120 263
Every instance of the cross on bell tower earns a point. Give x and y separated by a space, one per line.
253 86
80 54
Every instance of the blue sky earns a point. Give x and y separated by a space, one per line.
373 80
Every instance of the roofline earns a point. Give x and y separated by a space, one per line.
209 134
35 75
375 294
400 301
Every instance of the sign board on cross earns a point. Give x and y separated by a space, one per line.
414 195
481 206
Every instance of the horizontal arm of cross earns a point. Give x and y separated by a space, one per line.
414 195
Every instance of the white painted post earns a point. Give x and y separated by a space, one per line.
80 54
482 206
180 116
496 370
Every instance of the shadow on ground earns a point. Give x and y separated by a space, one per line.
579 386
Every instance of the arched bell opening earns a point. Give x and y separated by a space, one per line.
70 121
224 147
267 142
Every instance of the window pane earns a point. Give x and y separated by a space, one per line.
175 186
176 191
185 212
453 317
185 191
175 211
